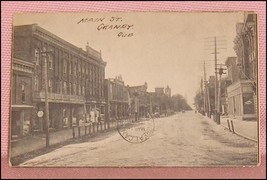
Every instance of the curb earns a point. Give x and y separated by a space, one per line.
241 135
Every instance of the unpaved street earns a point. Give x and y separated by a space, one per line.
184 139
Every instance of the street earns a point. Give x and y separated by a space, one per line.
184 139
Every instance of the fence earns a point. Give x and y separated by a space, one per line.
88 129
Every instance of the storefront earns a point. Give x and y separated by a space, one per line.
21 121
241 100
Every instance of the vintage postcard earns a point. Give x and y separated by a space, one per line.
136 89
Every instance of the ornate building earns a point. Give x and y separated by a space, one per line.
75 77
242 95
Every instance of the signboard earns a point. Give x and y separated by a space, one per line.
40 114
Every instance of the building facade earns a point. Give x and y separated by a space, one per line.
242 93
22 108
140 99
117 99
75 78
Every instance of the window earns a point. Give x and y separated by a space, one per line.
50 61
70 88
37 56
79 69
64 87
70 67
36 83
74 89
50 85
79 90
83 91
64 67
23 93
74 69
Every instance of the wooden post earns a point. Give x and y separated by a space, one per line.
73 132
233 130
228 125
90 126
93 128
79 131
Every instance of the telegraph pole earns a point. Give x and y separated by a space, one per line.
46 98
216 81
215 52
206 100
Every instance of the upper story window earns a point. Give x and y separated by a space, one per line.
64 67
79 69
36 83
70 68
37 56
64 87
74 69
50 61
50 86
74 89
23 93
70 87
83 90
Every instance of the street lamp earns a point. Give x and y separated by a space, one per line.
44 53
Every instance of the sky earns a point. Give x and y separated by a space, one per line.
160 48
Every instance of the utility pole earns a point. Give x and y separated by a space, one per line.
206 100
216 81
46 97
215 52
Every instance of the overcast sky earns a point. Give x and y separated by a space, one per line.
165 48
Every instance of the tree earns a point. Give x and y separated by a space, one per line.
178 103
199 101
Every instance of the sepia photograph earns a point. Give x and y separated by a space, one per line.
134 89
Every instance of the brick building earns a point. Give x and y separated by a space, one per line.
22 108
117 99
75 77
242 95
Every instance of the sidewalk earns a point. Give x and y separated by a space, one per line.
36 142
248 129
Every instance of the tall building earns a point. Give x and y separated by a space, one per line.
75 79
242 95
168 91
159 90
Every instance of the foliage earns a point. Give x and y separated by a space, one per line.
178 103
